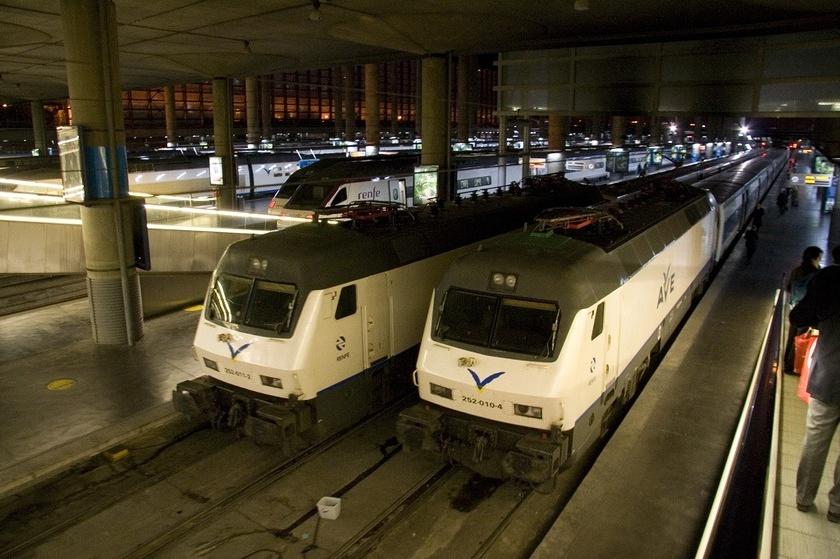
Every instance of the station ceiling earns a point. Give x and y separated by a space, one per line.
180 41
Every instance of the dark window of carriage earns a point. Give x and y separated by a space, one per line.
598 325
252 305
346 302
340 197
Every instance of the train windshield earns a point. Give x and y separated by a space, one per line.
253 304
309 196
504 323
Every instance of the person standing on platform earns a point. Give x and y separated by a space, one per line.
782 201
751 236
758 216
797 286
820 308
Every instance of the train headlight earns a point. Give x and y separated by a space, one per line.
271 381
210 364
527 411
441 391
503 280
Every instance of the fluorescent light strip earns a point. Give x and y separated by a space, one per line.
33 184
63 221
210 212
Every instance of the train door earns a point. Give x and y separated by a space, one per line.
605 346
397 190
376 319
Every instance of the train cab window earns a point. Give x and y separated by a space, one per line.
340 197
598 325
504 323
271 306
229 298
252 304
346 302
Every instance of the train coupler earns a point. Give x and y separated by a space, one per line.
418 428
277 425
534 460
196 398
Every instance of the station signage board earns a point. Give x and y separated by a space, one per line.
217 176
425 183
811 179
71 155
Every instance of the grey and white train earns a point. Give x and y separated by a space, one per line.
310 328
533 343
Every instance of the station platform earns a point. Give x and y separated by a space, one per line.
66 399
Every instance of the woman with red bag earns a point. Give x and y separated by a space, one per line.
820 308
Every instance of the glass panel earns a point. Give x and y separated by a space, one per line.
525 327
346 302
229 298
271 306
467 317
309 196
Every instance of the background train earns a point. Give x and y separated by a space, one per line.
331 183
309 328
533 343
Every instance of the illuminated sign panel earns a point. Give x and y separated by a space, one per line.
72 163
425 183
216 171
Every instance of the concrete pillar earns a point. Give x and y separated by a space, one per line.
418 103
526 148
502 134
349 103
223 140
557 131
462 94
252 111
827 137
372 108
266 106
435 122
169 111
39 128
93 79
395 99
338 99
655 137
617 131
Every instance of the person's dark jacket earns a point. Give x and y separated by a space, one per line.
820 308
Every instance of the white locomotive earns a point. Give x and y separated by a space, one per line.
308 329
534 342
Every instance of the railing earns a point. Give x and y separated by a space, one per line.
740 523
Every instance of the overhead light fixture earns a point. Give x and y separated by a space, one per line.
315 14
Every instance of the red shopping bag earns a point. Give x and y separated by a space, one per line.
802 361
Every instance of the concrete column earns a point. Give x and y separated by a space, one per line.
435 121
418 103
502 134
617 131
338 99
169 109
349 103
266 106
526 148
462 98
93 79
223 140
557 131
39 128
827 136
252 111
372 108
655 131
392 84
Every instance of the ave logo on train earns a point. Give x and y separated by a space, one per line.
667 285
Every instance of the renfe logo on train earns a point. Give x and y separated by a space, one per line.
372 194
667 286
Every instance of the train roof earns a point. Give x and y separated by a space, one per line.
579 266
725 184
343 167
320 255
